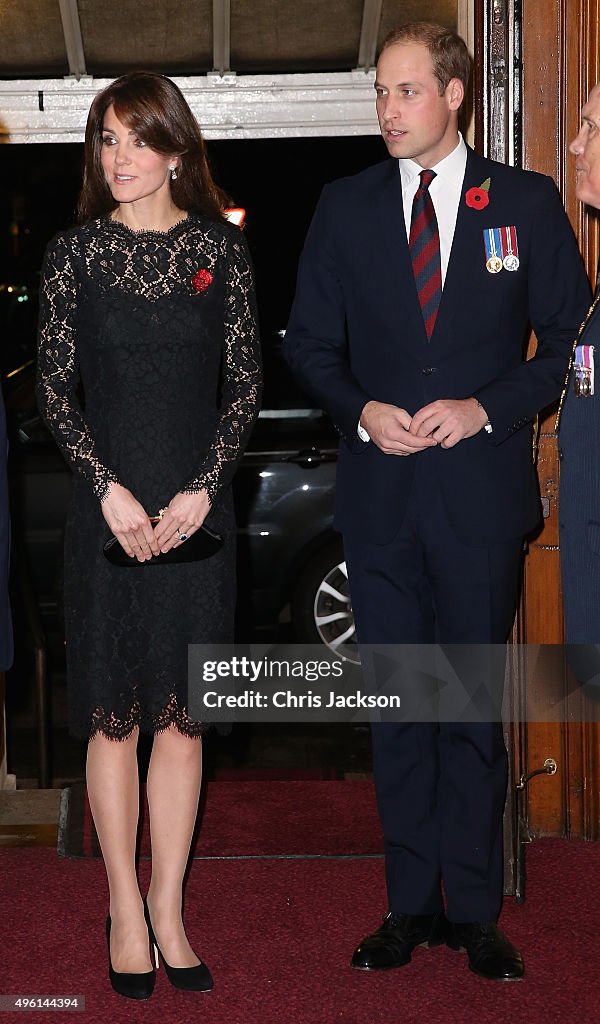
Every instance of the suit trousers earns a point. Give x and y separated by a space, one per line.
440 786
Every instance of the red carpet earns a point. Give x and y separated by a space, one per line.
278 935
258 818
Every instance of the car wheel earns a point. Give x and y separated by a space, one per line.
321 606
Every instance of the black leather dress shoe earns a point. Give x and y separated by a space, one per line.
393 942
490 953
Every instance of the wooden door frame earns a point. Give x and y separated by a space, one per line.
535 62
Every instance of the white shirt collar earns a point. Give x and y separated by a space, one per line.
451 168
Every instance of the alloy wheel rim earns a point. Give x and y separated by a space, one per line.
333 616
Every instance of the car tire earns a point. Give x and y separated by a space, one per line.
320 608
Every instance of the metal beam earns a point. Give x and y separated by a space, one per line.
69 15
369 32
227 107
221 35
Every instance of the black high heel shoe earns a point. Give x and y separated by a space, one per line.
133 986
191 979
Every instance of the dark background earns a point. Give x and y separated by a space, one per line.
278 181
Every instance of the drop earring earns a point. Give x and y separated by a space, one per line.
173 174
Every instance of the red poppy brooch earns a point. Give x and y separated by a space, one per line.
202 280
478 198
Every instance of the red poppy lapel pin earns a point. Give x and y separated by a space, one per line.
202 280
478 198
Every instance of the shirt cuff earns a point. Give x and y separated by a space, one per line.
487 426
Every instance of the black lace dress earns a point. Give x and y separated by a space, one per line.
168 363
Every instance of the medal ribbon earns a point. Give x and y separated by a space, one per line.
584 371
584 357
509 241
493 243
586 320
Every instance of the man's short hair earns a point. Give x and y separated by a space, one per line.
449 54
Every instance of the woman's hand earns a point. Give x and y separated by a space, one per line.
128 521
185 515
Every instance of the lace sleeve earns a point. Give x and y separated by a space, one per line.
242 377
57 373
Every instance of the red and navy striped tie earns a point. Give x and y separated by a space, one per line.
424 243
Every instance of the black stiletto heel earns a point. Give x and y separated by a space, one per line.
191 979
133 986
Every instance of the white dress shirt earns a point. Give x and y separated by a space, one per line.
445 191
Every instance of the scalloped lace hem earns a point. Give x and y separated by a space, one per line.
108 724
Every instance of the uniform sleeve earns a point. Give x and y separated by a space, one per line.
57 371
242 377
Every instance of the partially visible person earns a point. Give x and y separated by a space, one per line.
579 429
149 305
6 637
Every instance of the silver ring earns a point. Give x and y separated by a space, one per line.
183 536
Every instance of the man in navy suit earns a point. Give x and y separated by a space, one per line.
417 286
579 506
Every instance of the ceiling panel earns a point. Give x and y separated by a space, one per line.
31 39
176 36
398 12
287 35
172 36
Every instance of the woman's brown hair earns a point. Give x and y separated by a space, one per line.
155 109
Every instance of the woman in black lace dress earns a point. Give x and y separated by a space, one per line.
148 305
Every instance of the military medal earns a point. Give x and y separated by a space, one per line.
583 366
491 237
509 245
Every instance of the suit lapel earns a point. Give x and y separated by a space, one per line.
467 220
396 254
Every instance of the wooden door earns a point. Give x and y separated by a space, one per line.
536 61
560 65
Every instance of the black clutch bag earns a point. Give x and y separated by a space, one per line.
202 544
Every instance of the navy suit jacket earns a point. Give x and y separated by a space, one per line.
356 333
